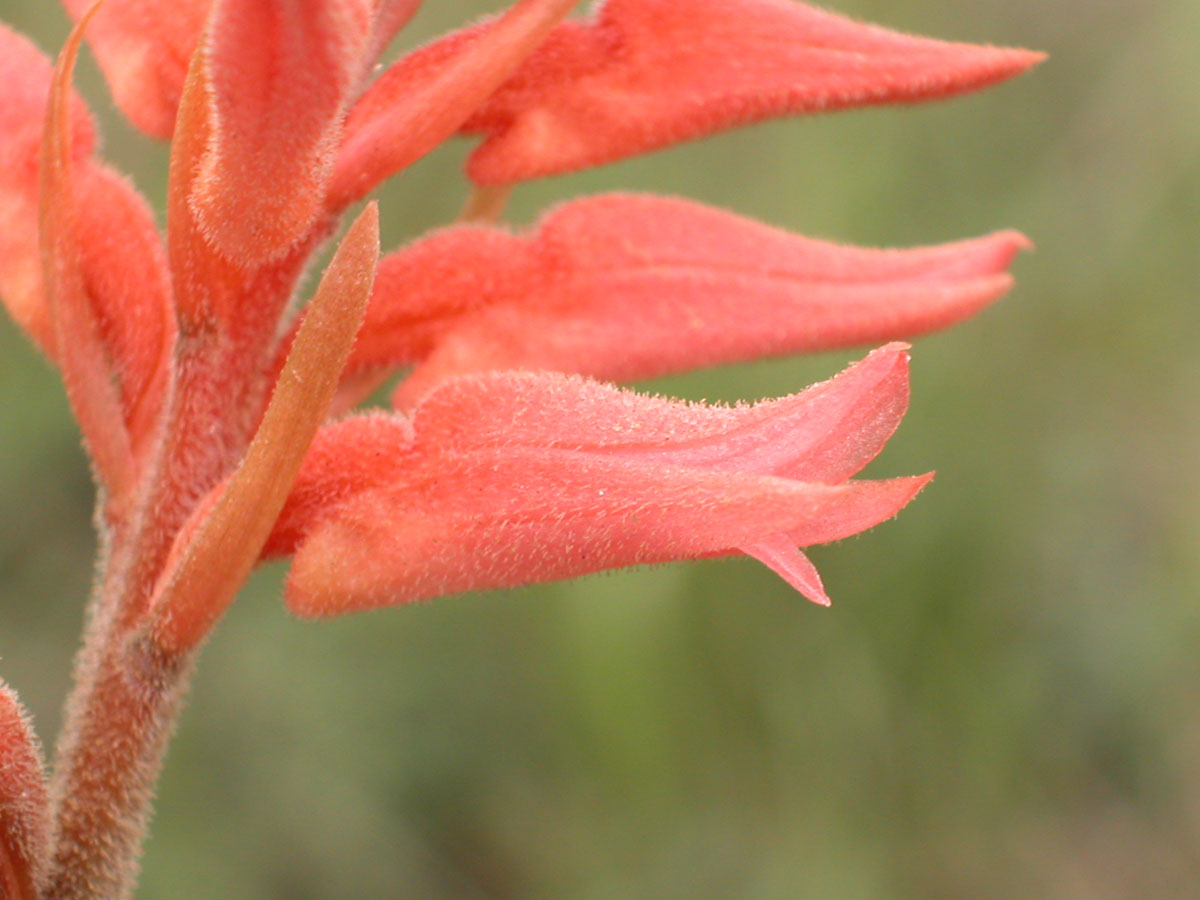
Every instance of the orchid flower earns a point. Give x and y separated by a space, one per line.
211 409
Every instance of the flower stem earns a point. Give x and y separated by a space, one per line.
118 722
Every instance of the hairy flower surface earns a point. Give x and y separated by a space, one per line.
605 478
273 134
625 287
209 405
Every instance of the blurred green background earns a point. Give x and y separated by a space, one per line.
1004 700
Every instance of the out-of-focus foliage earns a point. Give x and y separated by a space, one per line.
1004 700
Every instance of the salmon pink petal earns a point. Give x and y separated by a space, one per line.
823 434
423 291
526 515
873 502
643 74
24 806
346 458
278 75
26 75
628 287
237 298
424 98
143 47
507 478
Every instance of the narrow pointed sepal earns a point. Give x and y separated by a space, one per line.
624 287
81 355
643 74
24 807
510 478
217 548
26 75
425 97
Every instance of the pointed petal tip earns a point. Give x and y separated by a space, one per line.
918 483
899 349
1016 59
1021 241
987 64
1011 242
778 553
370 218
892 356
1022 60
989 254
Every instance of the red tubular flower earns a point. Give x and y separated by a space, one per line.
387 511
642 74
630 287
202 398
